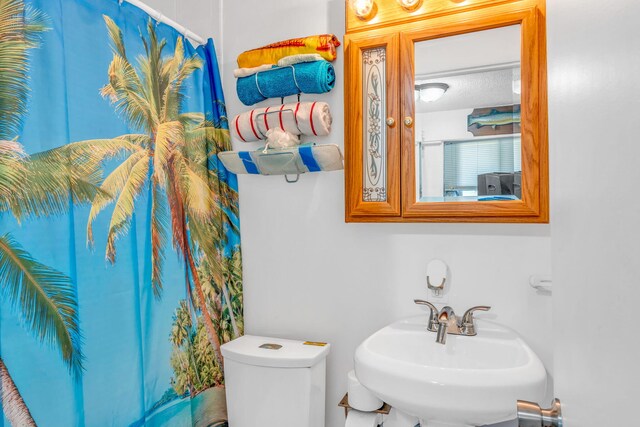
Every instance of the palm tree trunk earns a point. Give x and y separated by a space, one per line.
208 324
13 405
234 325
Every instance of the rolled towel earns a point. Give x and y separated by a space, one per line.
297 59
294 160
300 118
306 77
325 45
246 72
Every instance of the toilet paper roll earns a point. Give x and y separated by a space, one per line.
360 397
356 418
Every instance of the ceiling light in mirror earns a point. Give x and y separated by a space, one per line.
430 92
364 9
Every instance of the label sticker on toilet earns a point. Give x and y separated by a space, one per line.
270 346
317 344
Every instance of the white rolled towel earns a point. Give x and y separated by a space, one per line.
246 72
300 118
297 59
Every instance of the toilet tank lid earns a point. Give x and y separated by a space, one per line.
275 352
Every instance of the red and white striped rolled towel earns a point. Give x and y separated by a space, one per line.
300 118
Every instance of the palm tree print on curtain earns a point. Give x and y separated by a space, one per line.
191 206
167 165
29 187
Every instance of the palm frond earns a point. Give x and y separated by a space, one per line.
213 138
159 236
126 92
169 135
200 198
150 66
111 187
125 205
52 184
45 298
173 96
115 34
170 107
176 71
69 174
36 22
191 119
12 170
204 235
20 29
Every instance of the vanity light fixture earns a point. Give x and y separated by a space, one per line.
364 9
430 92
410 5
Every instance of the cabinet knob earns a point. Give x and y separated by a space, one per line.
391 122
408 121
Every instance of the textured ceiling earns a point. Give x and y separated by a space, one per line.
479 68
477 90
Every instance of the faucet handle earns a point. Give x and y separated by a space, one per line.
468 315
467 318
433 318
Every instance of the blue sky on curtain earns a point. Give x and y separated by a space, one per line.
120 265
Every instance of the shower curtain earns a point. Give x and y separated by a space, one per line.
120 265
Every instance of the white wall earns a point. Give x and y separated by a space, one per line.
594 108
307 274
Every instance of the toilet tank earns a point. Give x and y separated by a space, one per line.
275 382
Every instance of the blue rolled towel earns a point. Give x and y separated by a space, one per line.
311 77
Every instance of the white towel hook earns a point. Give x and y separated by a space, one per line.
541 283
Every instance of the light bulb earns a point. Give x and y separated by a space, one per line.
431 92
410 4
364 9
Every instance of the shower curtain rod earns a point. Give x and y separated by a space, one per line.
161 18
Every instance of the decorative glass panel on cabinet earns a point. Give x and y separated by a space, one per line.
373 177
374 134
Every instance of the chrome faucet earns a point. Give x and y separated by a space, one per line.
446 322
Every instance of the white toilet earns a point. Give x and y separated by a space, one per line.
275 382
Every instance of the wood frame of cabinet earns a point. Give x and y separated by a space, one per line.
401 204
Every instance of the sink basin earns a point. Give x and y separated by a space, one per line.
470 381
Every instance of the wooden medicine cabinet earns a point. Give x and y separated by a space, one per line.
446 112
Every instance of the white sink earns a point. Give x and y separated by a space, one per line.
470 381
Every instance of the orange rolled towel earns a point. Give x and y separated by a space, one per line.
325 45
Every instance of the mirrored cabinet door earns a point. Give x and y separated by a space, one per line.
472 129
467 117
371 111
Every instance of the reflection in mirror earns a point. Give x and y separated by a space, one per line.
467 100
